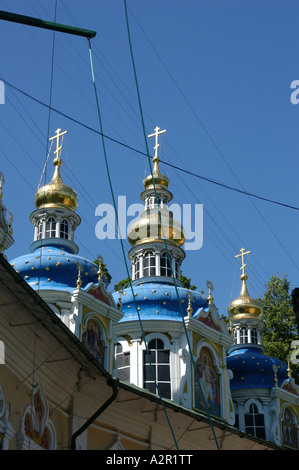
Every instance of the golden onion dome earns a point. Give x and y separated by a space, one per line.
161 181
56 193
148 228
244 305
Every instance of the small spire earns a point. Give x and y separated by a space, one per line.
10 222
189 308
275 369
1 185
120 291
100 270
289 370
79 281
243 277
211 288
6 232
244 304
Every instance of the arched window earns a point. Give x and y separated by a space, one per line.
243 335
255 422
149 264
123 362
289 429
64 229
50 227
235 336
151 202
165 268
254 335
137 267
156 362
177 269
39 232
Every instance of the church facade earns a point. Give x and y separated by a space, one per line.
155 334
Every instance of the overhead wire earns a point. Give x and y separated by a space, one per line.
242 191
121 241
82 192
163 162
215 224
254 273
161 223
39 270
176 167
78 62
200 176
80 89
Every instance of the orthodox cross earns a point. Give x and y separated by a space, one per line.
1 183
242 254
58 134
156 135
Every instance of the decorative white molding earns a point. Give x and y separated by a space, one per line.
6 429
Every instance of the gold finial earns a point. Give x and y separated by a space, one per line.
230 328
189 308
79 281
1 184
58 147
210 287
120 291
289 370
100 270
275 369
10 223
242 254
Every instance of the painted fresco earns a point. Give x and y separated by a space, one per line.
206 383
92 340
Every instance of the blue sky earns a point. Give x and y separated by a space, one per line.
215 74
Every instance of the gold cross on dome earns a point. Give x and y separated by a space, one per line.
58 134
242 254
156 135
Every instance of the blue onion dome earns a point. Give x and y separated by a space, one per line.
53 267
53 262
158 301
253 369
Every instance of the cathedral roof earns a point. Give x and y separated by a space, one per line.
253 369
159 302
51 267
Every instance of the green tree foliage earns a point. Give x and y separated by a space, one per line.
186 282
122 284
280 322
